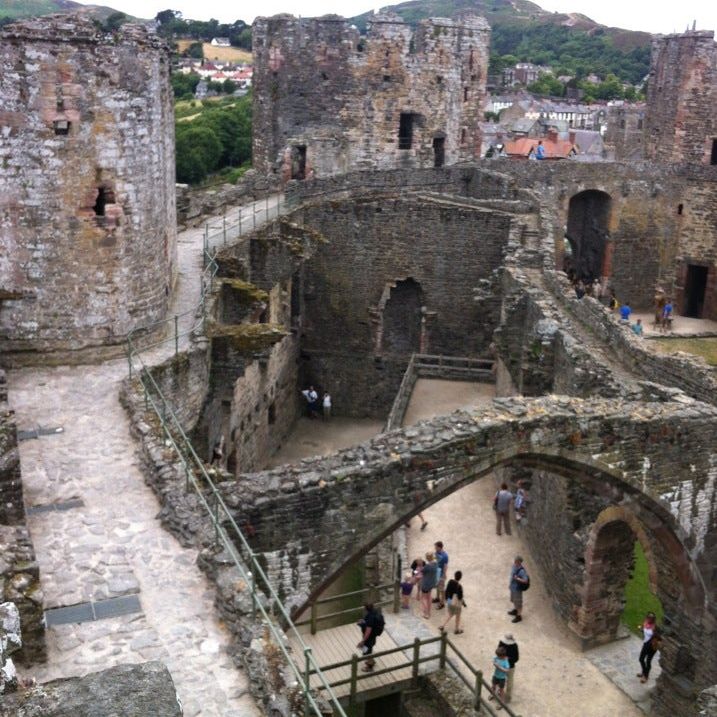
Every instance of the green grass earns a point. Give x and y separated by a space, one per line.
638 598
706 348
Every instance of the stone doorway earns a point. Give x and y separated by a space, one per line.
439 151
588 235
695 288
298 161
402 318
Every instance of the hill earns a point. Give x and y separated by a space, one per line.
568 41
17 9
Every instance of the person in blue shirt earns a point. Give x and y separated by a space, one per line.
637 328
540 150
625 312
500 673
442 562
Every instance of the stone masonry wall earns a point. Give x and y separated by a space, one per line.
319 86
371 245
87 193
682 98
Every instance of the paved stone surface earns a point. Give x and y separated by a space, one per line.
618 661
113 545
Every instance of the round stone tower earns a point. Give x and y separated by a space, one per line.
87 186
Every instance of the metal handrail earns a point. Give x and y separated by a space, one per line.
211 500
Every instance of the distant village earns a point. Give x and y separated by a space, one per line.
516 119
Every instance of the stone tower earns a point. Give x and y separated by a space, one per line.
681 119
87 188
328 101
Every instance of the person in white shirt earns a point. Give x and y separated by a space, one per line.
327 406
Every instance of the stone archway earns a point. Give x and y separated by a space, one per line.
588 234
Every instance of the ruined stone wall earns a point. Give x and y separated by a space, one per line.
372 247
624 136
87 194
682 98
319 86
12 510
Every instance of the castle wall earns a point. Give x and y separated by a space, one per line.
87 195
318 85
682 98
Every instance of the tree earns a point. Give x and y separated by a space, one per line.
198 152
114 21
195 50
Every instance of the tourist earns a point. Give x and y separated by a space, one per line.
500 675
580 289
519 583
442 562
371 626
406 589
597 290
454 599
218 452
660 301
417 569
508 643
424 522
520 502
327 406
540 150
637 328
649 648
501 505
613 303
625 312
666 322
429 580
312 400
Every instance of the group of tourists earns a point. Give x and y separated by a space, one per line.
504 500
428 574
317 408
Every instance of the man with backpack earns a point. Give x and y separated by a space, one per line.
519 583
371 626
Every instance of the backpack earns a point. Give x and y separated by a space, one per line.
524 586
378 623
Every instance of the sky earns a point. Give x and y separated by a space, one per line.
648 15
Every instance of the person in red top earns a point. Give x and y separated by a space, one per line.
649 644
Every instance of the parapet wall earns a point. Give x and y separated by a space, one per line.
87 188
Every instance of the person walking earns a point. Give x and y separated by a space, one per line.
371 626
326 404
519 583
429 580
500 675
406 589
454 599
650 644
501 504
508 643
442 561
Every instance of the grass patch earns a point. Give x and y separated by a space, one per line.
705 348
639 600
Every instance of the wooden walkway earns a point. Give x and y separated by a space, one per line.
338 644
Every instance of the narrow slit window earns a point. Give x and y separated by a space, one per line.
405 131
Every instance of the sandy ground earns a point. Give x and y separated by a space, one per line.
553 676
681 325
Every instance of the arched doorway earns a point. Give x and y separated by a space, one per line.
588 234
402 318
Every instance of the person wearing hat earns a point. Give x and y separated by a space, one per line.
508 643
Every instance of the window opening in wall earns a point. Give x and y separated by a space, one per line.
622 124
439 151
104 197
62 127
680 208
298 161
463 136
470 61
695 287
405 131
324 76
713 159
640 123
465 94
387 78
272 413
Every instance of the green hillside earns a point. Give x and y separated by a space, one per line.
523 31
15 9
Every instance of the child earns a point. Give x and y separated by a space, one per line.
519 502
406 590
500 674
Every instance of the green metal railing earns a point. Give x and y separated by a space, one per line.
227 534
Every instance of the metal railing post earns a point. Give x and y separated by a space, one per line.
478 688
396 596
176 335
416 657
216 519
314 615
253 585
224 228
240 223
354 679
307 679
442 653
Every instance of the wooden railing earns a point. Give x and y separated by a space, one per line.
457 368
477 685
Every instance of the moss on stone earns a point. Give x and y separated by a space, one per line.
248 338
245 292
